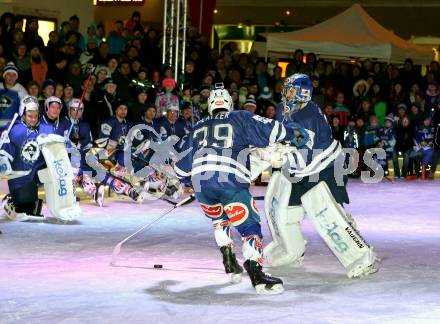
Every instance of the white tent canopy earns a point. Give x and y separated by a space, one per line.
352 33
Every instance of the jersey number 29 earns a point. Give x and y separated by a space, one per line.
218 136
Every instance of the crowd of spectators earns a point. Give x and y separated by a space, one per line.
368 103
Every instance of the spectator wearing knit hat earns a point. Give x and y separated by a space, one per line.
104 107
9 95
166 98
10 76
250 104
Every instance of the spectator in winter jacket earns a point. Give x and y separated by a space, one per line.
166 98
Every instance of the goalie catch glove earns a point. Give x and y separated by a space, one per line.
297 135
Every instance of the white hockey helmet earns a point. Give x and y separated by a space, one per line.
51 100
76 103
28 103
219 98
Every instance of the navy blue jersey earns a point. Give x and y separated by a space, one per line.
80 135
167 129
147 134
80 141
112 135
9 105
218 149
24 152
60 126
388 136
321 149
424 138
187 125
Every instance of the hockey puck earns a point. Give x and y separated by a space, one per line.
158 266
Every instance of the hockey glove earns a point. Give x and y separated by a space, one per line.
297 135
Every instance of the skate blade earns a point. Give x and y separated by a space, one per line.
274 290
235 278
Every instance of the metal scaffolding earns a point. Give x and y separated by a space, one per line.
175 16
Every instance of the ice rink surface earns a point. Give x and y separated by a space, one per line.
53 273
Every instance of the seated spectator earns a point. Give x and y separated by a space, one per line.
415 115
371 133
341 110
387 136
432 96
424 143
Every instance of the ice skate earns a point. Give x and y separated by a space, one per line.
263 283
13 215
232 268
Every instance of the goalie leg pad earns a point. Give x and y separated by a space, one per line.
58 179
288 244
329 219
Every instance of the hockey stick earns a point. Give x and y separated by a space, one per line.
92 68
5 134
117 248
16 174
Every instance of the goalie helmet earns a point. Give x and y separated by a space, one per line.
28 103
296 89
219 98
51 100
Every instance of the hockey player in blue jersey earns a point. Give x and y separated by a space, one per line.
216 161
22 153
51 116
79 143
171 125
314 182
111 143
